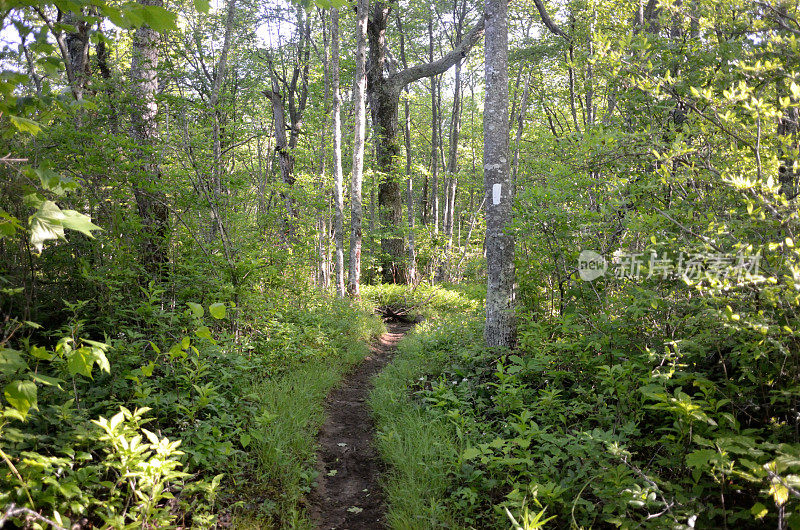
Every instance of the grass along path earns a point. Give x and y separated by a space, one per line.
348 494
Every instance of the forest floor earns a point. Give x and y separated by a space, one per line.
347 494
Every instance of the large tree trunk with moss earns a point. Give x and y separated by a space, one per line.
150 200
500 327
384 89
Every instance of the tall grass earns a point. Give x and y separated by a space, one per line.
421 449
420 446
291 406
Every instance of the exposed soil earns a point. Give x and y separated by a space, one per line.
347 495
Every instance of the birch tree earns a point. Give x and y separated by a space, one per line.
150 201
338 199
360 96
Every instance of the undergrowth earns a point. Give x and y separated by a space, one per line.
186 416
290 410
577 428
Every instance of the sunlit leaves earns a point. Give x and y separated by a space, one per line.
8 224
49 222
21 395
202 6
25 125
196 309
217 310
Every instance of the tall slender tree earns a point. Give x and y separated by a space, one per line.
360 96
500 330
338 195
150 200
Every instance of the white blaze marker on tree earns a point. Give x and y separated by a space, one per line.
500 330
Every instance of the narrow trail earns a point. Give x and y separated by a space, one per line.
348 495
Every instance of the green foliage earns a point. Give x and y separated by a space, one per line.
421 302
420 445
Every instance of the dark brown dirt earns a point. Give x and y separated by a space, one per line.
347 495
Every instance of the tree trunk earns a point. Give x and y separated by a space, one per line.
412 249
77 53
338 195
455 130
500 327
523 107
217 187
360 97
788 133
295 99
385 99
434 135
285 156
150 200
322 275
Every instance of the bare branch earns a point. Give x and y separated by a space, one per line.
547 21
415 73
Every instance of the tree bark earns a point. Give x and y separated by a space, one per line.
434 135
294 101
150 200
77 60
360 97
323 268
455 132
338 194
523 107
285 156
788 130
500 330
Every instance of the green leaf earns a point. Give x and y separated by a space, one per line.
470 453
11 361
217 310
80 361
202 6
158 18
700 458
779 492
25 125
203 332
39 352
758 510
101 360
78 222
47 380
244 439
8 224
46 224
21 395
49 222
197 309
51 181
147 370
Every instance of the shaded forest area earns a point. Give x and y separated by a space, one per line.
588 207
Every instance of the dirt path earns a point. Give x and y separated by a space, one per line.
348 496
